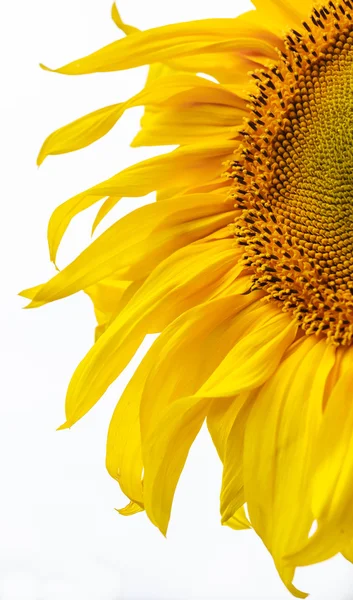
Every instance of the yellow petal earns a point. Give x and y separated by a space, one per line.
165 453
220 420
239 520
109 297
127 29
218 185
30 293
167 42
124 461
137 243
182 281
187 166
185 353
255 357
123 454
232 493
106 207
348 551
232 70
173 91
281 15
278 457
332 493
131 509
184 356
186 124
82 132
169 422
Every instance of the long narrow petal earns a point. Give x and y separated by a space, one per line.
106 207
184 280
124 460
165 454
168 42
232 493
131 509
109 297
166 417
185 125
185 166
190 341
178 90
255 358
137 243
232 70
278 457
170 416
332 494
127 29
220 422
123 454
281 15
82 132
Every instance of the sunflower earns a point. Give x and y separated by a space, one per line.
243 265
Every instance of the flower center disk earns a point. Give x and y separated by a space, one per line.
294 179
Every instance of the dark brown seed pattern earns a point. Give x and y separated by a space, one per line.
294 177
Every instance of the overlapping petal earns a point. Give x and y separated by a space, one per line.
173 41
278 457
225 354
186 166
187 278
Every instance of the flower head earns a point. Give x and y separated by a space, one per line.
243 265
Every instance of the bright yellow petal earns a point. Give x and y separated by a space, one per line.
348 551
30 293
239 520
170 41
169 421
281 15
230 69
187 278
220 421
185 125
165 453
82 132
107 294
187 165
109 297
133 246
232 493
106 207
130 509
332 494
255 357
168 91
123 455
124 461
127 29
190 341
278 457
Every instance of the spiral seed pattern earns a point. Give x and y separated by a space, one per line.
294 178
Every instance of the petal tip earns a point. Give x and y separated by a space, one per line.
65 425
45 68
40 158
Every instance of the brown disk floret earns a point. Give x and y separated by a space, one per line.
294 179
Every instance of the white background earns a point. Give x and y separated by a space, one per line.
60 537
